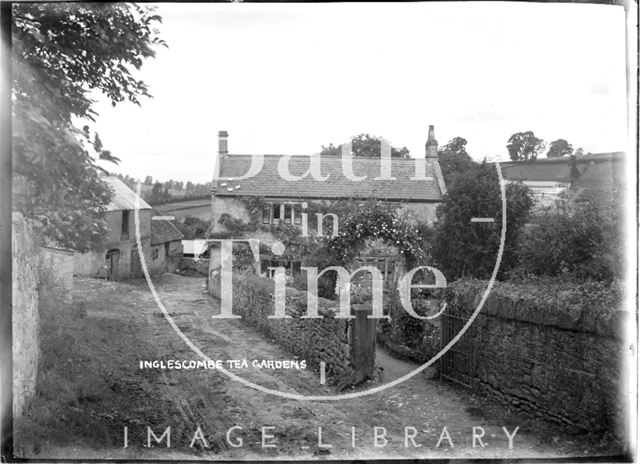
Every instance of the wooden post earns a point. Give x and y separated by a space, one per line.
362 338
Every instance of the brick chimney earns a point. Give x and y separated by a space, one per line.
223 147
431 147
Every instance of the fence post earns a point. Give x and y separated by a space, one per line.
362 339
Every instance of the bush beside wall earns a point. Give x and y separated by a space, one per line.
552 350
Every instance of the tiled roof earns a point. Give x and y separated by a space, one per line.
163 230
269 183
124 198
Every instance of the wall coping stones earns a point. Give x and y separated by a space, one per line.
589 307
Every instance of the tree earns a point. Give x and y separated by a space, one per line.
454 160
61 51
365 145
462 248
148 180
559 148
159 194
193 228
523 146
99 149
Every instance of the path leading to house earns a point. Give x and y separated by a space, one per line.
131 328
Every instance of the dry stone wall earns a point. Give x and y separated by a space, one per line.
552 352
328 340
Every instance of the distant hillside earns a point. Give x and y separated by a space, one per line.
159 192
180 210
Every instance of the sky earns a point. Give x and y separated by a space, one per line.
289 78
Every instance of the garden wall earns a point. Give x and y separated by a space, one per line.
25 262
553 351
346 347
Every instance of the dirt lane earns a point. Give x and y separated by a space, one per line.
186 399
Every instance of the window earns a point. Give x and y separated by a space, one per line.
154 253
288 212
276 213
281 212
124 233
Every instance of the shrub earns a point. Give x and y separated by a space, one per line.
575 241
378 220
462 248
193 228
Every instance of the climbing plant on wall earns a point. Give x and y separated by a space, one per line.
384 221
358 220
376 219
296 246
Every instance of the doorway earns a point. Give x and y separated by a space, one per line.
112 265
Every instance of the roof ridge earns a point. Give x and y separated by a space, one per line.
316 155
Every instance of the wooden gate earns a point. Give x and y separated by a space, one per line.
458 364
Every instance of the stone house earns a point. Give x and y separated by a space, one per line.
120 257
166 245
416 184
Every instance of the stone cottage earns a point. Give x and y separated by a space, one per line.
166 245
287 183
119 258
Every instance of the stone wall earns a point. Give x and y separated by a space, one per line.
336 342
552 351
25 312
424 211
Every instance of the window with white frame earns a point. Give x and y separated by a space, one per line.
287 213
